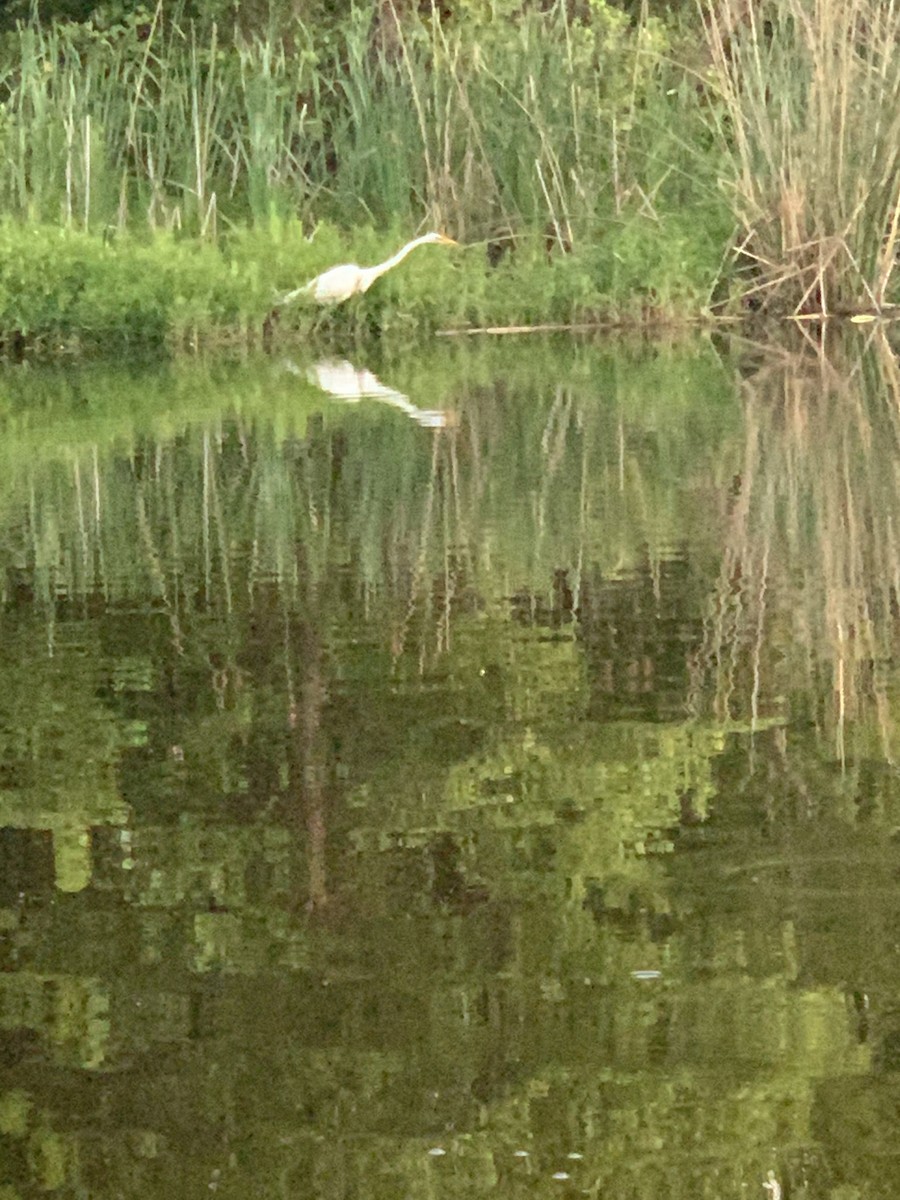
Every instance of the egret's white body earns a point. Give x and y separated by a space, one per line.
349 279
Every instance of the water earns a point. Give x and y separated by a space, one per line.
483 787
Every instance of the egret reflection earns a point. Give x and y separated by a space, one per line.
344 381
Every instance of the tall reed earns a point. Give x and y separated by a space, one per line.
548 122
806 105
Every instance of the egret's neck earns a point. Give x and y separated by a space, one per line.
369 274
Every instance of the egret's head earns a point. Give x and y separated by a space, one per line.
440 238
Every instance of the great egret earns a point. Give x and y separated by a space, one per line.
340 283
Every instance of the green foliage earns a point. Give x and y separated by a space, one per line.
63 287
549 131
542 124
66 285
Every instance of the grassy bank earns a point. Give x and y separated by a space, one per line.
162 184
63 289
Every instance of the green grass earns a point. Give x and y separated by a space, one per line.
160 183
540 133
66 289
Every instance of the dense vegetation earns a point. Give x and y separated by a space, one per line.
167 172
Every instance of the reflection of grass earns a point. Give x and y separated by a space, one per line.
555 463
809 584
50 413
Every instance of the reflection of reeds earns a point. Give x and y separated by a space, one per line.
809 587
376 521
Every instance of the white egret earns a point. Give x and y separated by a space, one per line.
348 279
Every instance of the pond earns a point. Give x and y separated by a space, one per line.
468 775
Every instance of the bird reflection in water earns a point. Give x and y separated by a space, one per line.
344 381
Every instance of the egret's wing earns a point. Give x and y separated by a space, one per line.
337 377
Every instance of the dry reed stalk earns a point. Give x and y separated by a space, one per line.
807 107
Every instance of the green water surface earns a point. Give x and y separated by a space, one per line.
486 787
